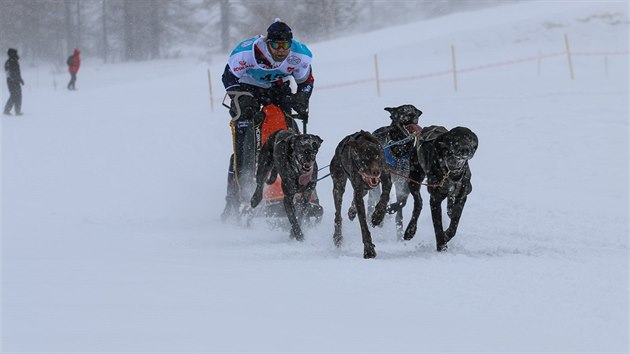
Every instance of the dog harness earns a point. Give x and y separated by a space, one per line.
400 164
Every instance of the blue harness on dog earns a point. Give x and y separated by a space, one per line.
401 163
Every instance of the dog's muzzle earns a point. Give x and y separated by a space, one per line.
455 163
306 172
370 180
307 166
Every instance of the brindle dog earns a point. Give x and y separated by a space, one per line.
443 159
292 156
359 158
398 141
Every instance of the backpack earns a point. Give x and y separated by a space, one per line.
70 60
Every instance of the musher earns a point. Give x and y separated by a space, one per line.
262 67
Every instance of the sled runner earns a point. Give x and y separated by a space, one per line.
269 120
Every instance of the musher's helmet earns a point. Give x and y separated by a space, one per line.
279 31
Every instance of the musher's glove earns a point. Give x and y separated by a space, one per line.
276 92
299 102
248 105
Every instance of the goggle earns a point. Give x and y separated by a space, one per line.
280 45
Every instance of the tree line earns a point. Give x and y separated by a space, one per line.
134 30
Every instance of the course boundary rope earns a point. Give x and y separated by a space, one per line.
470 69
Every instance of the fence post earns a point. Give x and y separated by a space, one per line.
566 43
454 67
211 95
378 79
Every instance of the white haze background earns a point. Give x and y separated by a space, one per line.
111 195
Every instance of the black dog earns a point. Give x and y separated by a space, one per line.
359 157
443 159
398 142
292 155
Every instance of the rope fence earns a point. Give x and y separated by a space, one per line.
454 71
471 69
378 79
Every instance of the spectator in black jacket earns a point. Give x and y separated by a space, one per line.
15 82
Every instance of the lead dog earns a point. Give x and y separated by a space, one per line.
398 141
443 159
292 156
359 158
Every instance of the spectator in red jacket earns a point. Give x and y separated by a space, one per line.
74 62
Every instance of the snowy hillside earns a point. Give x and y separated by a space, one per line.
111 196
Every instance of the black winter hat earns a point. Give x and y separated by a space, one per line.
12 52
279 31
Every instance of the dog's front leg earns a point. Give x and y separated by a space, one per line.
339 187
435 202
303 207
412 227
265 165
368 246
289 208
306 195
381 206
455 208
402 194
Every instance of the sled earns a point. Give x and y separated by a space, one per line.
271 120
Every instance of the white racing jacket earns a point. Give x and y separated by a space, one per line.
242 63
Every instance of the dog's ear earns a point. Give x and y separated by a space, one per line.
317 142
392 112
291 139
416 112
353 152
475 141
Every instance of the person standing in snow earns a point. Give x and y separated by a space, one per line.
263 66
74 62
14 82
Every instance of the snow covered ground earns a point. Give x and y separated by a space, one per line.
111 195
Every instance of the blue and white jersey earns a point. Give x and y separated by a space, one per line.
242 63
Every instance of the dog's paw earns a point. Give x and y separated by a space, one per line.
256 198
378 216
442 247
352 213
410 232
337 239
369 251
393 208
297 234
